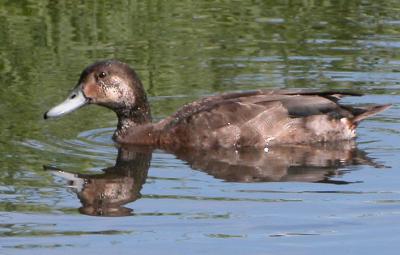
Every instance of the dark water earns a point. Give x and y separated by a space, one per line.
342 200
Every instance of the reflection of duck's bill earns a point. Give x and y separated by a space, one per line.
74 101
74 180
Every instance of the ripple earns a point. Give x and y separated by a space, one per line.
34 233
98 136
380 44
225 236
230 199
378 77
94 144
293 234
33 246
342 192
388 201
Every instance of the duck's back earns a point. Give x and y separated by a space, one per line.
261 118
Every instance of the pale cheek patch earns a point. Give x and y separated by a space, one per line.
113 94
117 90
91 90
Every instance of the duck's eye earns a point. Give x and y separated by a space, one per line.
102 74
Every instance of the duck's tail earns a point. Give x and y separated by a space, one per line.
365 112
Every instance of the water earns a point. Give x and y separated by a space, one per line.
332 200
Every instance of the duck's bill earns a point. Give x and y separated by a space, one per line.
74 101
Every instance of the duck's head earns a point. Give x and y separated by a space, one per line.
112 84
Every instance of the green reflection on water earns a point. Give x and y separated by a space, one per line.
26 231
179 48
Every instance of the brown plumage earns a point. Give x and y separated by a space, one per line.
240 119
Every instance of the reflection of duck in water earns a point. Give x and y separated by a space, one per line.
241 119
106 194
295 163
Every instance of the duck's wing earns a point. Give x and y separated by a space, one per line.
263 117
293 102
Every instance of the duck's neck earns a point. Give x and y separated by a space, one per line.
128 118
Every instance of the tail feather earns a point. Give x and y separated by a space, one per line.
370 111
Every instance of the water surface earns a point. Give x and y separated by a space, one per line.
297 201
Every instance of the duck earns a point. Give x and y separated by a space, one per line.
240 119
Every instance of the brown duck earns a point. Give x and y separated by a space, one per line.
240 119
